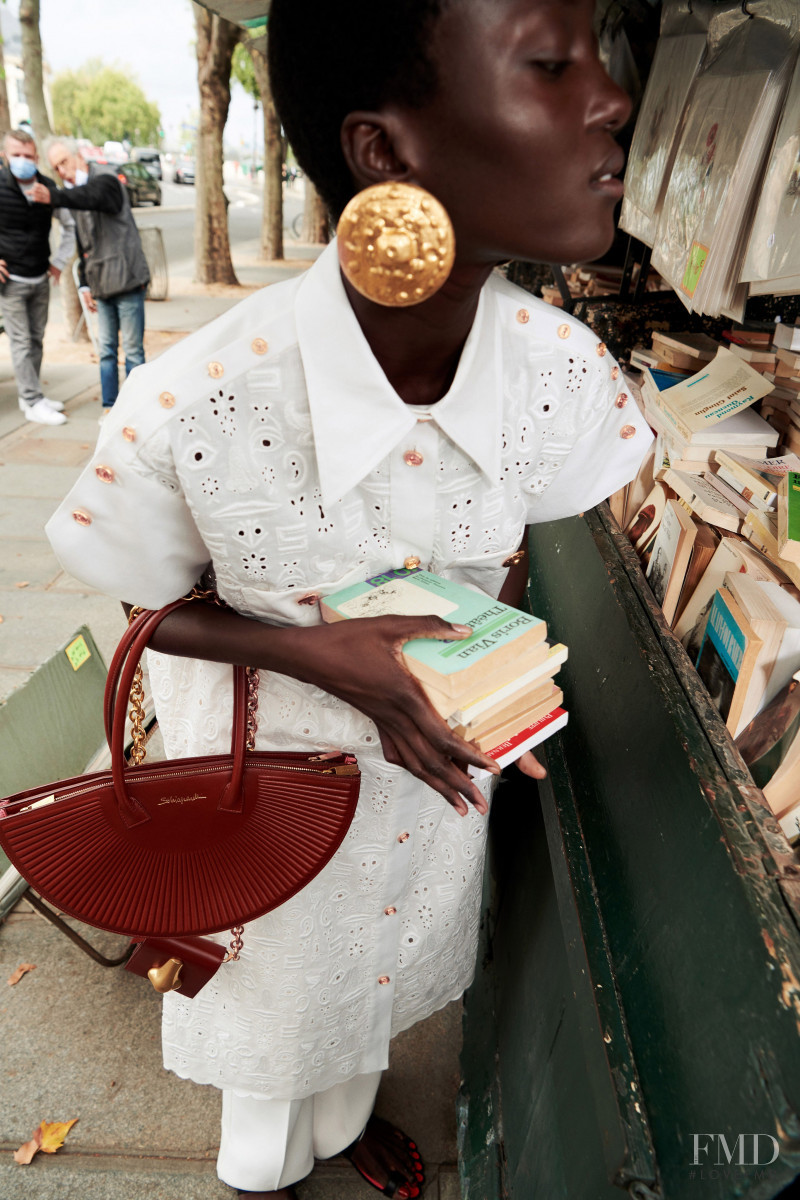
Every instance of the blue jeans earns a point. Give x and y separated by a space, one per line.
120 314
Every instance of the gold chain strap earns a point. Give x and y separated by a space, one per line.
137 716
136 710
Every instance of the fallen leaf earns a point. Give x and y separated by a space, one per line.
1 620
27 1150
53 1134
23 583
49 1138
21 970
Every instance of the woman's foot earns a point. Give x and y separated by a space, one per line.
387 1159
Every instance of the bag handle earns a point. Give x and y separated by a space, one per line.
120 656
122 673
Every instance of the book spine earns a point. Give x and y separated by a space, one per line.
675 422
759 497
789 517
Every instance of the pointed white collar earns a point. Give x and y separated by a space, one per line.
356 415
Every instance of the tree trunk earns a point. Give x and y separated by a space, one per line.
272 204
5 114
315 216
216 39
32 68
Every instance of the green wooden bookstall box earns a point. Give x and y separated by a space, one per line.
635 1018
52 726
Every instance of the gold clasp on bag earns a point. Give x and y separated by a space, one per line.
166 978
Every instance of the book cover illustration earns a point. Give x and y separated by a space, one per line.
500 633
726 657
670 557
732 111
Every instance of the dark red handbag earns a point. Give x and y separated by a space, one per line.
184 847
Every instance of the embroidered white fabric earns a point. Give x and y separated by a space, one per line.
271 446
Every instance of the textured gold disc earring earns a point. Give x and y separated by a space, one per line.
396 244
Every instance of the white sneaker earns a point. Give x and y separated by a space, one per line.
56 405
43 414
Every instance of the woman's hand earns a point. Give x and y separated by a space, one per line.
361 661
531 766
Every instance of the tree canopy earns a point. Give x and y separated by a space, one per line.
103 104
243 71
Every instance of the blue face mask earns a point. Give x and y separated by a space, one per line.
21 168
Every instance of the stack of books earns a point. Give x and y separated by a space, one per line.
494 688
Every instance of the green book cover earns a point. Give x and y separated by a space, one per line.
500 632
793 506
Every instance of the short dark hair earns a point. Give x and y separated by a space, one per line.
328 59
20 135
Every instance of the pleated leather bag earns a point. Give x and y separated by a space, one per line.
183 847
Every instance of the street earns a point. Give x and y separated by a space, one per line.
175 218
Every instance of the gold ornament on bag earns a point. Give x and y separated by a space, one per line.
396 244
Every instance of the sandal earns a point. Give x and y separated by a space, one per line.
396 1179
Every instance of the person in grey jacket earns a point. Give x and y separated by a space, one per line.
113 269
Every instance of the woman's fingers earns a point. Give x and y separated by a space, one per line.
442 775
531 766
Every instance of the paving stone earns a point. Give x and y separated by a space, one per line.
17 479
66 1176
46 450
33 561
30 513
36 623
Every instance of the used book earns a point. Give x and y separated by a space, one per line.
765 743
789 517
500 633
495 687
732 554
669 560
728 658
726 386
774 616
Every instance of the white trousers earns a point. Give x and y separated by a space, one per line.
271 1144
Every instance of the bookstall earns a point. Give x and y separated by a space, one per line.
634 1026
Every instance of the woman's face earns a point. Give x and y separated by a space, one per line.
517 141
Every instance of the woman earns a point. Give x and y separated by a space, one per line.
310 439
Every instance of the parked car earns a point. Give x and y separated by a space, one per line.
140 185
149 158
115 152
90 153
184 171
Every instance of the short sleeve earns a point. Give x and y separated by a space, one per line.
125 528
604 458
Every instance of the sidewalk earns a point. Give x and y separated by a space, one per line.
80 1040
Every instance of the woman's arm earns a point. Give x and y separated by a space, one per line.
361 662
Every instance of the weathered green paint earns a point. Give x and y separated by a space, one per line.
51 727
659 877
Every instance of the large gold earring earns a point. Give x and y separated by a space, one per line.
396 244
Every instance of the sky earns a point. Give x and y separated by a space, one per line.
154 41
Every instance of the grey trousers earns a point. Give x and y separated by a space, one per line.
24 307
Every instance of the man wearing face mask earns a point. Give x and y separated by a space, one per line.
113 268
26 268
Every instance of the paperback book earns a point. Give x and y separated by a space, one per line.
500 633
727 658
726 386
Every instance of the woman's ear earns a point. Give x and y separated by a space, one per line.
372 147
